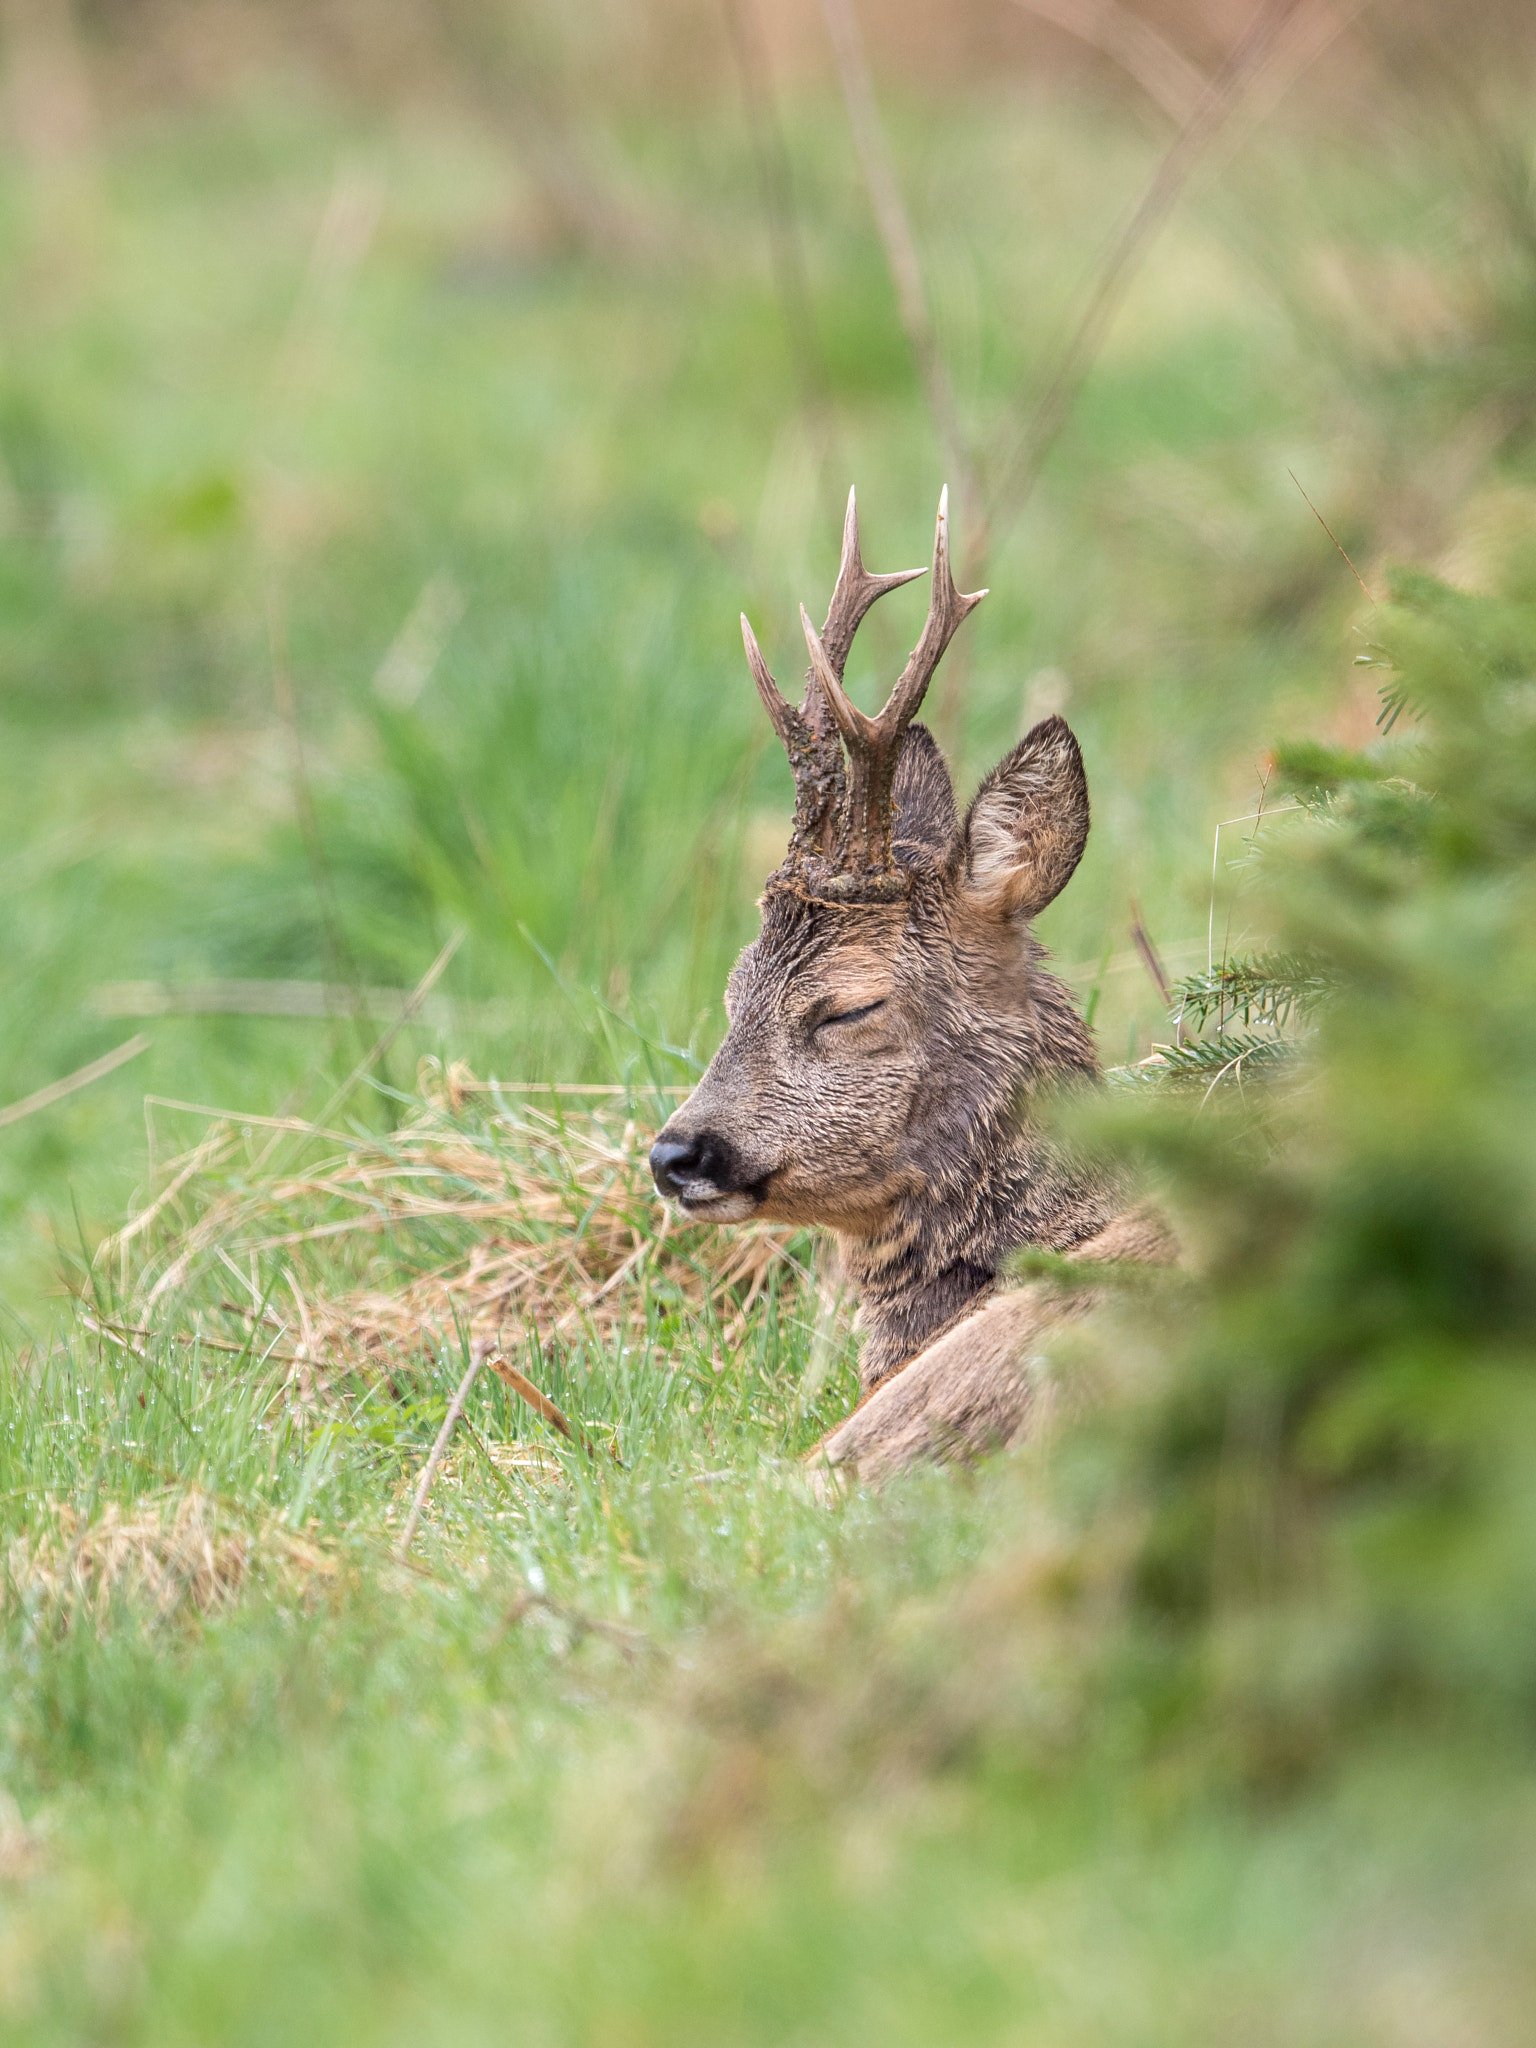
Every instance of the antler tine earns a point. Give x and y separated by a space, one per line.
779 709
874 744
841 838
815 759
860 732
947 610
855 591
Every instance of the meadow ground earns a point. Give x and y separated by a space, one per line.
368 587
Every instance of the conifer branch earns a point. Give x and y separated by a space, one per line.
1266 988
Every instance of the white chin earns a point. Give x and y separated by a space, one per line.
719 1208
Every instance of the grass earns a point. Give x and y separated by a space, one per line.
652 1743
221 429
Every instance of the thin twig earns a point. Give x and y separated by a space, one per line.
82 1077
1163 72
1018 476
249 1315
1119 963
540 1403
901 256
1316 30
1148 955
429 1470
1322 522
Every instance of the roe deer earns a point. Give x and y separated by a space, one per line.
890 1032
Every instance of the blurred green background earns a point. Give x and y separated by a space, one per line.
399 401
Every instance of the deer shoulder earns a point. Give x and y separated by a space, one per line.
894 1036
981 1386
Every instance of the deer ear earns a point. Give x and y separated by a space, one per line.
922 796
1028 823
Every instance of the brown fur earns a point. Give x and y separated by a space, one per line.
893 1036
913 1133
979 1386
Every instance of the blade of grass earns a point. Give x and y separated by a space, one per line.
82 1077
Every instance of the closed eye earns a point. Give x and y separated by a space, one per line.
852 1016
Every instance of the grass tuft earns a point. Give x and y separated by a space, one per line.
177 1550
491 1224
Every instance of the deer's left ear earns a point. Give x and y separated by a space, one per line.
1028 824
922 795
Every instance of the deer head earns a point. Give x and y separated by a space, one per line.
889 1023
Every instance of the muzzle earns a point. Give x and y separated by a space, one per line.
704 1171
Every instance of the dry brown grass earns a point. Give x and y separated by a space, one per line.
485 1220
178 1550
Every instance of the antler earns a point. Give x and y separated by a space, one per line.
874 744
810 735
854 592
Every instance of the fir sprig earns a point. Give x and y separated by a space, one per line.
1265 988
1229 1055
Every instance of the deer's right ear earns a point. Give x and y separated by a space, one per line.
1028 824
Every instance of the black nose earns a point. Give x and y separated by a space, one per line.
673 1163
702 1161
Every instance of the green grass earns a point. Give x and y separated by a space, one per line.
203 419
661 1747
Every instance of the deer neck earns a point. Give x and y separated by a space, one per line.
939 1258
935 1258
